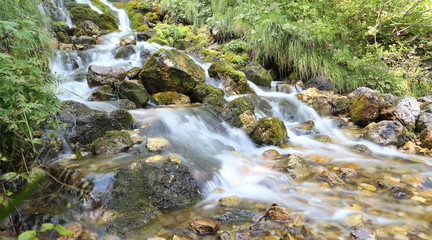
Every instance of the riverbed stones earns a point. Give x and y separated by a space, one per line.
386 133
85 125
279 213
170 98
171 70
112 142
401 192
234 82
133 91
365 108
139 193
296 165
363 233
271 154
258 75
269 131
405 109
157 144
204 226
101 75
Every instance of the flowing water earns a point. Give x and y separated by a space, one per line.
227 163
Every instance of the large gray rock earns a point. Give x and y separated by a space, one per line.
85 125
112 142
141 191
405 109
171 70
386 133
132 91
100 75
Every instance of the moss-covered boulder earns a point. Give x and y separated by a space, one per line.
89 27
170 98
85 125
386 133
237 107
234 82
269 131
141 191
112 142
296 165
132 91
101 75
103 93
365 108
200 91
258 75
341 106
124 52
171 70
215 101
82 12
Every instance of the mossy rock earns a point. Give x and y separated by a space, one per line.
152 17
237 46
237 107
159 41
143 28
112 142
105 9
85 125
239 59
169 98
258 75
365 108
81 12
171 70
341 106
235 82
141 191
136 20
132 91
124 52
103 93
215 101
201 91
269 131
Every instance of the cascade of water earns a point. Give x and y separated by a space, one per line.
123 19
92 6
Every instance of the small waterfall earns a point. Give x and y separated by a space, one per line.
123 19
92 6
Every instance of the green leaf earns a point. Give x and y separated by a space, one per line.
62 231
8 176
46 227
28 235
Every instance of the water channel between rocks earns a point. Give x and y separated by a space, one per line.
227 163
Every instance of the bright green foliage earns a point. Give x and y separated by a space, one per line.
27 100
351 42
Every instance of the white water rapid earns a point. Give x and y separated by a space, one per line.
225 160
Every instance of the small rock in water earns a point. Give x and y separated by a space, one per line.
332 177
347 172
270 154
173 158
368 187
75 228
363 233
157 144
156 158
363 149
258 230
402 193
204 226
229 201
278 213
127 41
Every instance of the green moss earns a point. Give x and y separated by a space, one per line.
201 91
269 131
152 17
237 46
240 59
168 98
111 142
184 30
159 41
215 101
119 5
137 20
105 9
210 55
201 39
237 107
82 12
130 8
364 109
143 28
225 71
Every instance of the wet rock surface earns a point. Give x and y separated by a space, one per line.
100 75
269 131
234 82
133 92
112 142
386 133
365 108
204 226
